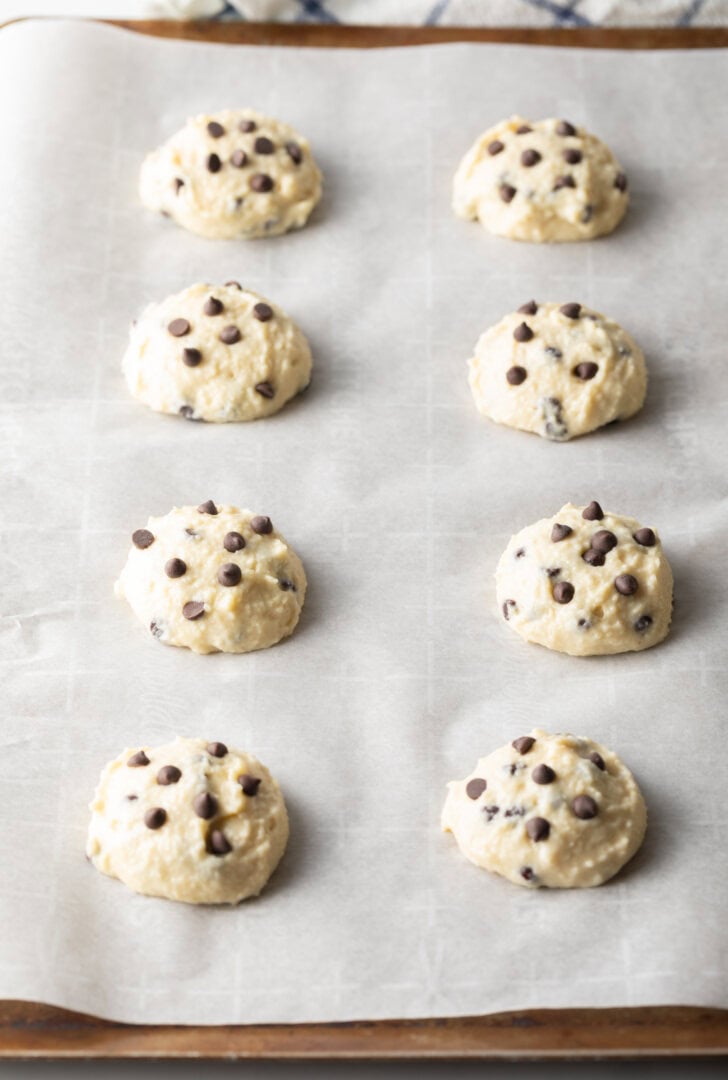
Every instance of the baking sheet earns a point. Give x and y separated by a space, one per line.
399 499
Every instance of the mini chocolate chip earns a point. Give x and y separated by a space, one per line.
506 192
523 129
234 285
286 585
155 817
626 584
475 788
131 798
179 327
239 159
563 592
530 158
263 145
563 182
263 312
523 332
586 370
294 152
516 375
594 558
646 537
168 774
523 744
142 538
572 155
528 309
188 412
261 525
555 354
193 609
514 811
247 126
603 541
592 512
507 606
587 214
527 873
175 568
496 147
261 182
520 553
205 805
571 311
137 760
643 623
249 784
233 541
490 812
215 129
560 532
191 357
543 774
538 828
265 389
213 163
208 508
218 843
229 574
155 629
229 335
565 128
584 807
620 181
216 749
212 306
178 184
598 760
584 624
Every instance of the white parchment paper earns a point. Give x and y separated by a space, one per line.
399 499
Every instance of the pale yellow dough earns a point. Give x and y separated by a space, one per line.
227 381
223 204
177 859
558 397
491 826
543 208
598 619
256 612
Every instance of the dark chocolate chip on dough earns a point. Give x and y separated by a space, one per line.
475 788
142 538
523 744
538 828
543 774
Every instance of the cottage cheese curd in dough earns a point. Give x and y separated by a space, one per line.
217 353
558 811
231 175
586 582
213 579
189 821
559 370
541 181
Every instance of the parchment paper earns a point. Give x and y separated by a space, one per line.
399 499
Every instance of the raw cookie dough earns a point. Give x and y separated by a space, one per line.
559 370
541 181
233 174
189 821
558 811
213 579
217 353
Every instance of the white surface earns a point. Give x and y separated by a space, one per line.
400 499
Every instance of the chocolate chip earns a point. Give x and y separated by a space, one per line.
294 152
514 811
168 774
564 181
155 817
218 843
516 375
538 828
239 159
178 184
247 126
179 327
520 553
475 788
530 158
261 525
234 285
592 512
626 584
213 163
249 784
508 606
215 129
233 541
208 508
286 585
212 306
594 558
262 145
496 147
543 774
193 609
229 574
216 749
584 624
265 389
191 357
155 629
603 541
563 592
584 807
523 129
261 182
205 805
490 812
527 873
560 532
643 623
523 332
587 214
263 312
571 311
131 798
555 354
142 538
188 412
620 181
506 192
598 760
229 335
646 537
528 309
572 155
523 744
137 760
586 370
175 568
565 128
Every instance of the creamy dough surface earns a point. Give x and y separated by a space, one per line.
558 370
218 353
213 579
541 181
190 821
586 582
233 174
558 811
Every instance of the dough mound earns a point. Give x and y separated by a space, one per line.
587 583
234 174
558 370
213 580
190 821
218 353
558 811
541 181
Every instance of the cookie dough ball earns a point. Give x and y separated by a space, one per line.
189 821
213 580
217 353
541 181
234 174
587 583
558 811
559 370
